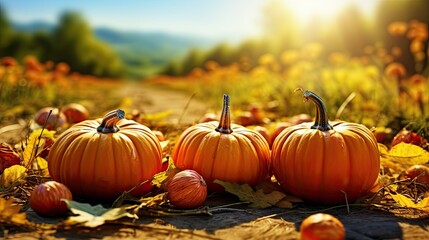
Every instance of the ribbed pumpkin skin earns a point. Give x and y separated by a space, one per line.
242 156
318 165
103 165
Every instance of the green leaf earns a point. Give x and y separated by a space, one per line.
94 216
258 199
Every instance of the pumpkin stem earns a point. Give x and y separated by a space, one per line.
108 125
225 118
321 122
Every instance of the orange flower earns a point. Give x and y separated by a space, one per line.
418 34
395 70
416 46
211 65
418 31
417 79
33 64
62 68
8 62
397 28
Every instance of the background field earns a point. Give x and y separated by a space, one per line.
368 60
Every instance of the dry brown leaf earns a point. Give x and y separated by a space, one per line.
94 216
10 213
257 199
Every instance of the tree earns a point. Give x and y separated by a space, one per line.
221 53
193 59
75 44
6 31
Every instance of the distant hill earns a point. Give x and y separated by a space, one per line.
143 52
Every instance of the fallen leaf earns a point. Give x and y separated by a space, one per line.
403 201
424 204
409 154
8 157
34 144
13 174
164 144
10 213
154 201
258 198
161 179
159 115
407 202
383 149
41 165
94 216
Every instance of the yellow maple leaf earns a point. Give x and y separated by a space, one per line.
406 153
41 165
424 204
407 202
13 174
34 144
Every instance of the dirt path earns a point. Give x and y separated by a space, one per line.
153 99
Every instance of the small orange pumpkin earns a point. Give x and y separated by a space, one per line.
418 173
224 151
45 199
187 189
100 159
75 112
325 163
50 118
322 226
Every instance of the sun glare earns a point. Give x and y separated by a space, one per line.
306 10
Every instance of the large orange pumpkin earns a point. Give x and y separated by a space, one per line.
100 159
326 163
224 151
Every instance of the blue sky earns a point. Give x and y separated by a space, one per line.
207 18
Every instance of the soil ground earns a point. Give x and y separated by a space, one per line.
244 223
